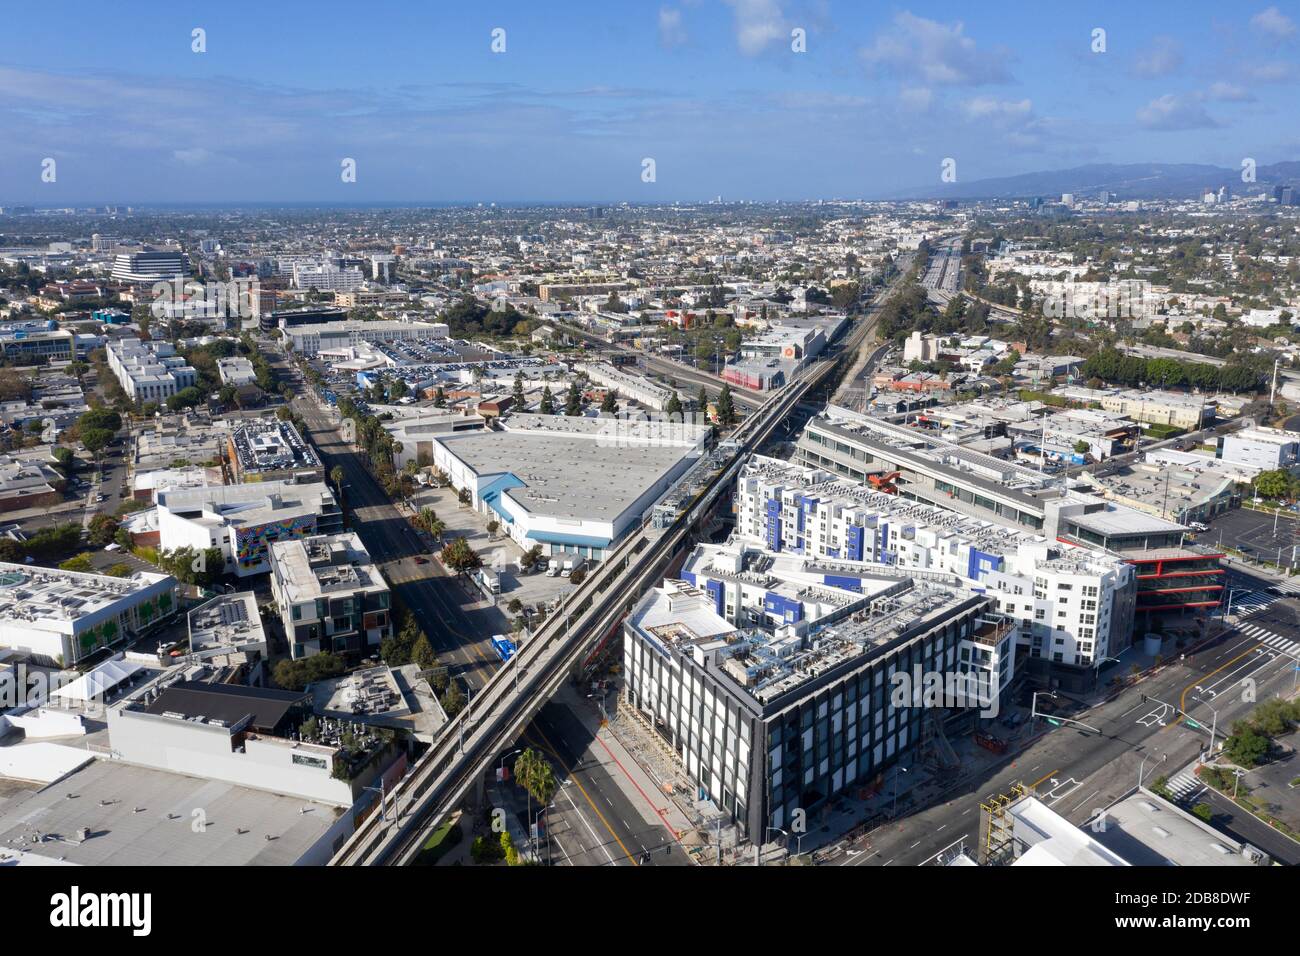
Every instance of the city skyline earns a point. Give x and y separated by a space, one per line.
573 105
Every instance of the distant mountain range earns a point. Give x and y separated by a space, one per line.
1122 181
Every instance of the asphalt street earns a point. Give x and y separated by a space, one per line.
592 820
459 629
1078 771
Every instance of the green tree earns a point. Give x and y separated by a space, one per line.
1246 747
103 529
609 405
439 398
95 440
79 563
726 406
453 699
573 399
1273 484
547 405
423 653
518 395
460 557
674 407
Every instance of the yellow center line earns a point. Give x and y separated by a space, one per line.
1034 785
573 775
1182 700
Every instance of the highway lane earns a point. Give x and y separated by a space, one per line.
1077 771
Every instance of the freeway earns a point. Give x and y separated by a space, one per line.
508 702
679 372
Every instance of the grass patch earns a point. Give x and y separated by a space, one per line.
440 842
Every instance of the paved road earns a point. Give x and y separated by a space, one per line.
593 821
1077 771
459 630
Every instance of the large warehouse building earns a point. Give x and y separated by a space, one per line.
572 485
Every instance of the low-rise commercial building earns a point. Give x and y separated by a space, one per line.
236 371
58 616
270 450
1265 449
27 482
245 520
311 339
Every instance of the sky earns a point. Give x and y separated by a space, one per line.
579 94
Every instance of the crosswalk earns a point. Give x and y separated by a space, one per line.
1277 642
1184 785
1246 603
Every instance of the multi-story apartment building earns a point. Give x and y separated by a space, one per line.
149 371
772 725
330 594
1074 606
327 278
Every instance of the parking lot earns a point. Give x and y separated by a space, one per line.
1252 534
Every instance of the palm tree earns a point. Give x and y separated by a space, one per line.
535 775
436 527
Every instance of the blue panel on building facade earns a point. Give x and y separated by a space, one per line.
854 547
688 576
981 563
789 610
774 524
839 581
716 591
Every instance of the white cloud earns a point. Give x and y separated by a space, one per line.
987 107
1274 71
917 99
1275 23
936 54
1171 113
758 23
671 31
1163 57
1229 93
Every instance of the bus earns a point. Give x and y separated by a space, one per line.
504 647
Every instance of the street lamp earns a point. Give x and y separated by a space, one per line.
1238 773
897 769
1232 593
1163 758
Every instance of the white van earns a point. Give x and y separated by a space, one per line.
553 569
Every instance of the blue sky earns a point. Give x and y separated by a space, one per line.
585 91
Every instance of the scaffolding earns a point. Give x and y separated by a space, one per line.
997 828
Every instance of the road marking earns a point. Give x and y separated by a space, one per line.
1182 700
583 790
1034 785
